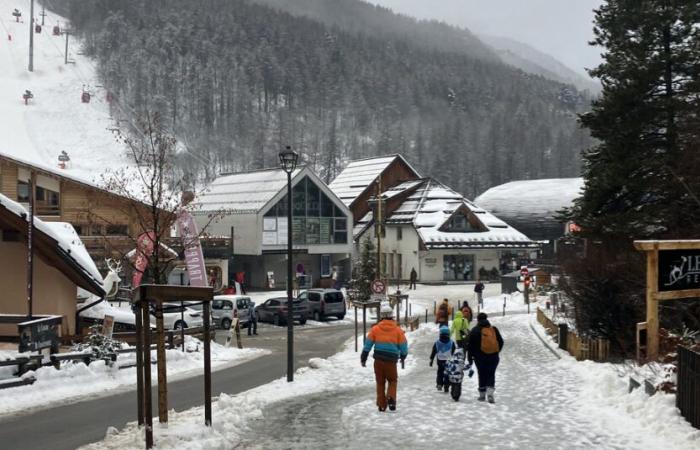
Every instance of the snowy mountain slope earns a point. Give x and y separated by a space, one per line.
529 59
55 120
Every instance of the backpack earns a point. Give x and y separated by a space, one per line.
489 342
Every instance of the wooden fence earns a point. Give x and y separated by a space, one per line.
578 347
688 385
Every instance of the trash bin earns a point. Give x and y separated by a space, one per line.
563 334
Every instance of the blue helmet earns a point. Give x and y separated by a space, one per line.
444 330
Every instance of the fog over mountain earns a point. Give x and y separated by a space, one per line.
560 28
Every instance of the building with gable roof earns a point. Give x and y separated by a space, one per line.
253 209
429 226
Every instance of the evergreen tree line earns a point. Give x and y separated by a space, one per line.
237 81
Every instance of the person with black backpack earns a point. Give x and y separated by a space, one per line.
485 343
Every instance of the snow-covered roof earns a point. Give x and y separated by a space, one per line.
531 197
430 207
532 205
245 192
69 243
55 119
359 174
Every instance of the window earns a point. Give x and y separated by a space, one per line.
314 297
117 230
217 304
47 201
325 265
399 233
273 303
459 223
333 297
22 191
340 231
78 229
227 305
95 230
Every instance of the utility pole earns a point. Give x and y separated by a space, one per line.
379 226
42 14
31 36
30 248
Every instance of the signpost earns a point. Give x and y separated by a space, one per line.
673 272
38 334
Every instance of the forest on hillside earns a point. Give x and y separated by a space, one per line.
237 81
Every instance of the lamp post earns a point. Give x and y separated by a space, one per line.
288 161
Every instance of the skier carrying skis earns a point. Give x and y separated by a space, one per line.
485 343
443 348
454 373
390 345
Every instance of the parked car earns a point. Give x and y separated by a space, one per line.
324 302
225 307
274 311
176 317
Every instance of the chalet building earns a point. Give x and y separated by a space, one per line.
532 206
61 265
426 225
105 222
252 207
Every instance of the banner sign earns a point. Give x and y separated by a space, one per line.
144 250
679 270
194 258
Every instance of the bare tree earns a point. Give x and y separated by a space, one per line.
153 188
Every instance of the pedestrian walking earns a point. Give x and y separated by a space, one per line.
454 373
460 330
390 346
443 349
414 278
253 323
485 344
479 290
467 312
443 313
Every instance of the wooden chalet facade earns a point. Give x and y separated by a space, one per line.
108 224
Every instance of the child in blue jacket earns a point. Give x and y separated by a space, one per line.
443 348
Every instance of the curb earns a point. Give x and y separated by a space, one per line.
546 344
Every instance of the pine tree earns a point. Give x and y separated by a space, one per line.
644 121
365 270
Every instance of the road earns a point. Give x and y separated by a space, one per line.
70 426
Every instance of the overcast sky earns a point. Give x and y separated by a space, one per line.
561 28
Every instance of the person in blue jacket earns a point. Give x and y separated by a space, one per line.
443 349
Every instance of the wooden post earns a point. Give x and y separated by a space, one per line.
207 364
162 375
147 402
139 364
652 305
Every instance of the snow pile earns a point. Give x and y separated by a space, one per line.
605 388
232 415
55 119
76 381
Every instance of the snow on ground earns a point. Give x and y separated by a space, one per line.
55 119
541 402
76 381
232 415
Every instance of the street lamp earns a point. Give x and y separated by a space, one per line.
288 161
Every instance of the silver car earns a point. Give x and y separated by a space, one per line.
224 308
324 302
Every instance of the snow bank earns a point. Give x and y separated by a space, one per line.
606 400
76 381
231 414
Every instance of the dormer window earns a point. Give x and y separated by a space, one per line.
458 223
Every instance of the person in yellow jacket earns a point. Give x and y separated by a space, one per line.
460 330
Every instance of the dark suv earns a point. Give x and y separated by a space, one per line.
324 302
274 311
